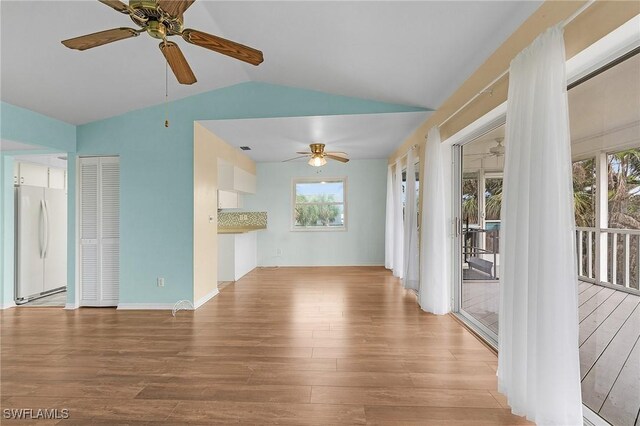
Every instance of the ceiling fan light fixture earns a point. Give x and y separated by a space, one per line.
317 161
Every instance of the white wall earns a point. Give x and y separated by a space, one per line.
363 241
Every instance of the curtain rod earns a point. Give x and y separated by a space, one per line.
414 146
487 88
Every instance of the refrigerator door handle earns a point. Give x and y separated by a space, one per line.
46 229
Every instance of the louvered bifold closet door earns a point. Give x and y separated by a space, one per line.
110 229
89 259
99 200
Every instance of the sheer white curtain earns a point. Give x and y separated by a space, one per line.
411 255
389 225
434 295
398 222
538 367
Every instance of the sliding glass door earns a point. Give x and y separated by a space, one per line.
478 199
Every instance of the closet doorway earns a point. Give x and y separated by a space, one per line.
99 230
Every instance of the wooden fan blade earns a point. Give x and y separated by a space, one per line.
98 39
294 158
117 5
338 153
337 158
304 152
177 62
175 8
224 46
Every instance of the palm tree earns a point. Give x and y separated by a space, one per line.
584 175
470 200
624 189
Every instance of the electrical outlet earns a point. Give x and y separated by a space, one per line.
278 252
160 282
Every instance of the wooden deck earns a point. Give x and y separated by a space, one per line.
609 345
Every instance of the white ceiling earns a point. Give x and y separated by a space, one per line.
361 136
414 53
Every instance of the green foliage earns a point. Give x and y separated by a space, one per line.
584 192
470 200
624 189
320 214
493 198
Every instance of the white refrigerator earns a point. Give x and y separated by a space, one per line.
41 241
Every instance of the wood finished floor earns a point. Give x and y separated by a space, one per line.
339 346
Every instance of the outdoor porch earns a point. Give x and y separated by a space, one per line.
609 344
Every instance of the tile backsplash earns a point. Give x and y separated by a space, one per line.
239 219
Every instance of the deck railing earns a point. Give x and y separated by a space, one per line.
609 257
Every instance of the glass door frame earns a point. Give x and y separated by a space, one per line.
456 208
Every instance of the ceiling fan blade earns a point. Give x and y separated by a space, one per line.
175 8
177 62
338 153
117 5
224 46
294 158
337 158
304 152
98 39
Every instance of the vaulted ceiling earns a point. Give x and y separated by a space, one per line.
413 53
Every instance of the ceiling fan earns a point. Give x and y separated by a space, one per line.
494 151
318 157
162 19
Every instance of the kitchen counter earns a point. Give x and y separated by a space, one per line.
239 230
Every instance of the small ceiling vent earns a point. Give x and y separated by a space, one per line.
245 148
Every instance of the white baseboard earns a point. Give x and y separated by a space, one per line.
145 306
71 306
8 305
213 293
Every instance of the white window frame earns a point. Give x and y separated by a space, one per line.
319 180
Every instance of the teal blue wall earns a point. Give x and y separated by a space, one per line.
156 219
363 241
156 216
21 125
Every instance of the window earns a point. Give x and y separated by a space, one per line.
404 191
319 204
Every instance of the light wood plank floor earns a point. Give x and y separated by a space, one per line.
288 346
609 345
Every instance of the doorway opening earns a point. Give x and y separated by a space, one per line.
40 232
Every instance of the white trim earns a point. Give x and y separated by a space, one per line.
491 120
145 306
77 285
591 418
8 305
71 306
204 299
